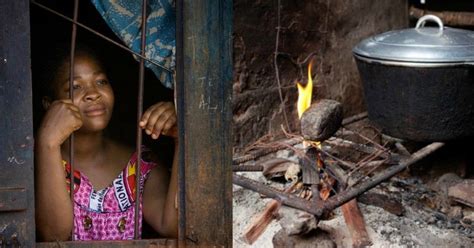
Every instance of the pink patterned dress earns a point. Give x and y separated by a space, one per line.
108 213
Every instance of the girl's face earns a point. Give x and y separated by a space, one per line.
93 93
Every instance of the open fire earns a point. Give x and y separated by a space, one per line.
305 93
336 169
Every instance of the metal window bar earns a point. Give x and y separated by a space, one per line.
142 56
179 97
71 95
139 115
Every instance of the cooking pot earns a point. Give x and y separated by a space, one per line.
419 82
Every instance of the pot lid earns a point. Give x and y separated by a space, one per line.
420 44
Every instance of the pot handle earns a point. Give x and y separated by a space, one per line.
421 22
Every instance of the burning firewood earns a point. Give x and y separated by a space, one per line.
321 120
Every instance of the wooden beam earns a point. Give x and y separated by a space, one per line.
16 126
450 18
204 107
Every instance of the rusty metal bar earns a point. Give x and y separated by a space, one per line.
100 35
285 198
347 195
236 168
321 208
264 151
141 79
71 95
180 105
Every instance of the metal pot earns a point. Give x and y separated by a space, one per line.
419 83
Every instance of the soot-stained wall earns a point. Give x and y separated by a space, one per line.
329 28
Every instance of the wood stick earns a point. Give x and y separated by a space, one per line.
362 148
258 227
453 18
356 225
354 118
259 153
402 149
310 174
351 212
263 220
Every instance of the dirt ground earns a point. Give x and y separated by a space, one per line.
417 226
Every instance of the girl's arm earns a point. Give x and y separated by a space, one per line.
159 198
54 211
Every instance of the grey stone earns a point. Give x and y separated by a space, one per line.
296 222
321 120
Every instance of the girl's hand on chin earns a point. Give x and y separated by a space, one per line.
60 121
160 119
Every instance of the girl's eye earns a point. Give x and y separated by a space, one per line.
76 87
102 82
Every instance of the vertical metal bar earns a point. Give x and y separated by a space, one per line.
141 78
71 96
179 98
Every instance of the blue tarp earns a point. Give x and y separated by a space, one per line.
124 18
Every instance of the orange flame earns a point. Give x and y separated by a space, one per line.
305 93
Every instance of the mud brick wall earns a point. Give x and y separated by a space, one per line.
330 28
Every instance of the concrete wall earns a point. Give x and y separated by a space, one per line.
330 28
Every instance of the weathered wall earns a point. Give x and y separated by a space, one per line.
328 27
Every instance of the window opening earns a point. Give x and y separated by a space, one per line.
140 100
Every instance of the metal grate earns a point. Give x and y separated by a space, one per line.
345 171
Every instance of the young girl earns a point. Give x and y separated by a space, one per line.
104 170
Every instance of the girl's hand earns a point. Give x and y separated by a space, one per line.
160 119
61 119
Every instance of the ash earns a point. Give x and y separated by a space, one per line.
418 226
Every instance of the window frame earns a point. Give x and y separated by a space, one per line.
203 93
